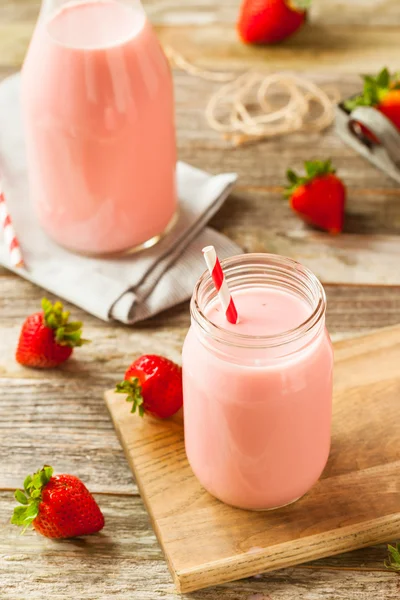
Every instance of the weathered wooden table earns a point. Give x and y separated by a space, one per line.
59 417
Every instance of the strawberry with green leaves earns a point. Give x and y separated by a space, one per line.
319 196
270 21
154 385
381 92
48 338
57 506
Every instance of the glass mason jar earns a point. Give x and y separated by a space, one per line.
257 406
98 111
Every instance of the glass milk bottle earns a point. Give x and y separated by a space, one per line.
257 395
98 113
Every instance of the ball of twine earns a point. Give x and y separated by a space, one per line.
257 105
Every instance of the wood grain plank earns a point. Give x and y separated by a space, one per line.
368 13
62 423
17 10
351 259
266 164
128 533
126 559
345 48
263 222
372 213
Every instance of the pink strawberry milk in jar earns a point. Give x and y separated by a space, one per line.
258 393
98 111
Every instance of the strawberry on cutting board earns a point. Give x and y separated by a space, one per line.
270 21
153 385
383 93
319 196
47 338
58 506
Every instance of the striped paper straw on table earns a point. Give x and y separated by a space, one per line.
10 238
218 277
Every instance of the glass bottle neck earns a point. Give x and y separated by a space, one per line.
91 24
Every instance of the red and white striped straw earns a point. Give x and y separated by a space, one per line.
10 238
218 277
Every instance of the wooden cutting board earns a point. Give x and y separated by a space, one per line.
356 502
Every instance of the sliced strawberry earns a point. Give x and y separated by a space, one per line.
318 197
153 385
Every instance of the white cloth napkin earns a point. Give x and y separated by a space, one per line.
128 289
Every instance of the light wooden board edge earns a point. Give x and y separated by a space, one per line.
347 539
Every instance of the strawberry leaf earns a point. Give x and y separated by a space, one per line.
73 326
66 334
37 481
23 516
48 471
33 485
383 78
393 561
28 483
291 175
46 305
133 389
20 497
375 89
31 512
18 515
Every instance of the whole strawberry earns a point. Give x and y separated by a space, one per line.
47 339
58 506
154 385
383 93
319 196
270 21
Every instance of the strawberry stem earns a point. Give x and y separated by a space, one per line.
30 497
66 333
133 389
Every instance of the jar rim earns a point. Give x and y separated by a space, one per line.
229 337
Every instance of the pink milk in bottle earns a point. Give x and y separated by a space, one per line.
99 121
258 394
